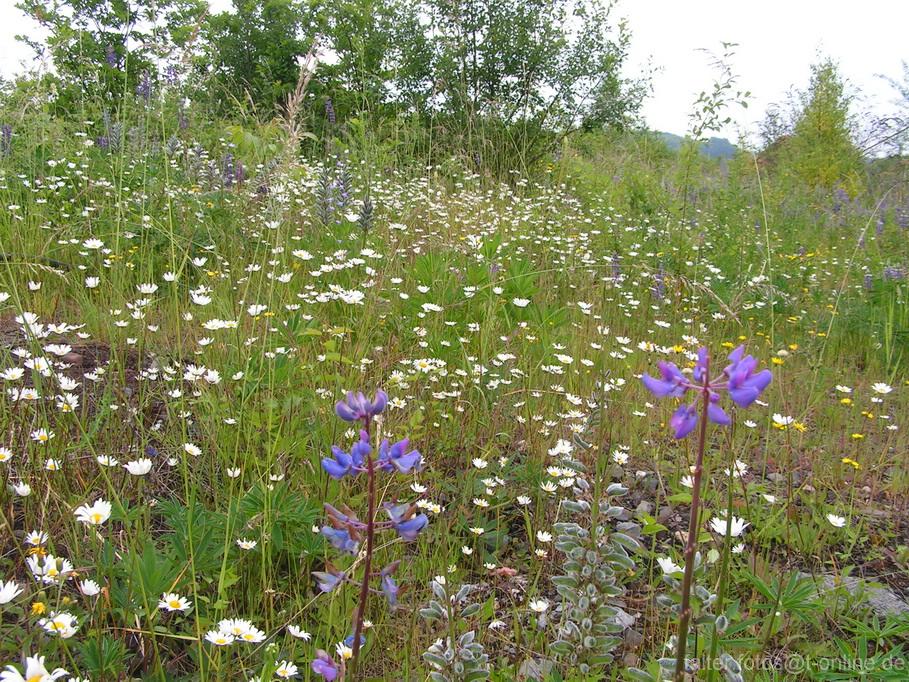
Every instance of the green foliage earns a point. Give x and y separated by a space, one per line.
252 54
821 151
104 48
511 77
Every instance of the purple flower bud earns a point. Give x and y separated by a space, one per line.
357 406
716 414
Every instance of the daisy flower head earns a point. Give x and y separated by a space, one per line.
171 601
94 515
34 672
219 638
718 525
9 590
538 605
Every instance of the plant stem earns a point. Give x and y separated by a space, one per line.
691 543
367 564
724 570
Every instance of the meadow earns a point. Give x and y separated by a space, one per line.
183 307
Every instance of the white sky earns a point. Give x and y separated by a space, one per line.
778 41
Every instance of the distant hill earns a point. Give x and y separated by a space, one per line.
715 147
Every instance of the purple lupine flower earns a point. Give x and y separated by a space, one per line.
347 463
615 264
323 665
868 281
330 111
672 384
659 284
144 87
349 640
902 218
740 379
744 385
396 458
683 420
404 521
6 139
340 539
111 57
227 170
328 581
171 75
357 406
840 197
389 586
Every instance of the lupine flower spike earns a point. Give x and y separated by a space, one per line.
743 384
344 531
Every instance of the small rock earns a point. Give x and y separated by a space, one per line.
534 670
644 507
776 477
633 638
631 660
625 619
882 600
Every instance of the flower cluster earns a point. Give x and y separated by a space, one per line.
739 379
345 531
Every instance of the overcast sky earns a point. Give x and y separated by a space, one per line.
778 41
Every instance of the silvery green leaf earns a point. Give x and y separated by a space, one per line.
721 623
616 490
729 663
439 591
463 592
435 660
560 647
470 610
626 541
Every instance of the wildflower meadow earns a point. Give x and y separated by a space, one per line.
314 394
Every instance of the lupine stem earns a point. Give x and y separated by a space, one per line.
691 542
367 564
724 570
